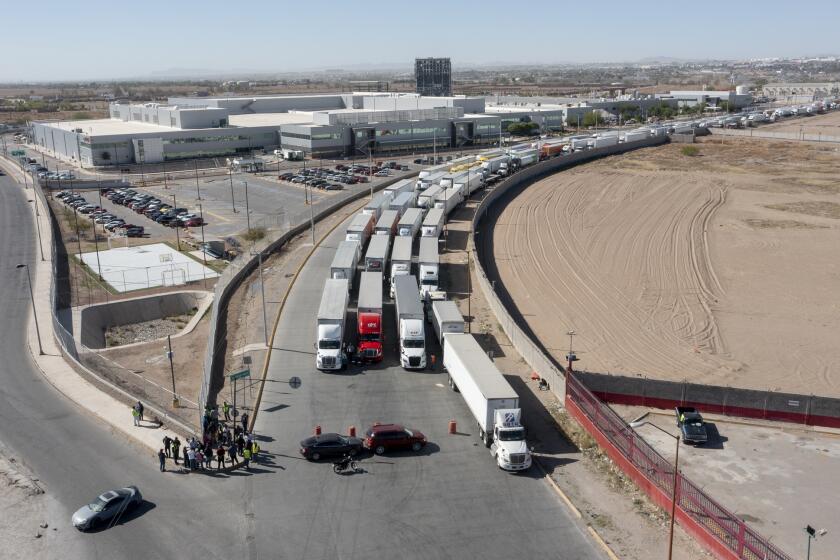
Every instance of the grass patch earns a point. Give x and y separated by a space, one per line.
254 234
823 209
690 151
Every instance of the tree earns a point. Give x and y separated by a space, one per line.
522 128
592 118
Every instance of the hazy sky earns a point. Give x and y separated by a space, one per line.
92 39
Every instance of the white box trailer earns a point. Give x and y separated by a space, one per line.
387 224
376 257
330 325
427 197
452 178
487 394
524 158
636 136
446 319
345 261
400 187
400 259
579 144
430 179
410 323
428 265
433 223
377 205
410 223
471 183
604 141
401 203
494 165
450 199
360 229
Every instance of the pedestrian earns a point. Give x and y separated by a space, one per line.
220 457
192 454
140 409
232 454
208 458
175 448
167 443
244 421
187 457
226 410
162 459
246 457
193 443
255 449
136 415
351 352
240 443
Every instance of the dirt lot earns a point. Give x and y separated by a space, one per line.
714 268
827 125
774 476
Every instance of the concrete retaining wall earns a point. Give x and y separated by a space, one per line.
528 347
759 133
96 319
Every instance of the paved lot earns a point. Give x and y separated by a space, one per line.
777 478
450 501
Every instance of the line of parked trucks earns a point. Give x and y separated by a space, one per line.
381 240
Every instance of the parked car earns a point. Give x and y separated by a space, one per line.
380 438
691 424
194 222
329 445
107 508
134 232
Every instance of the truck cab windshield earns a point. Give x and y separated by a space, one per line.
517 434
369 337
429 282
329 344
413 343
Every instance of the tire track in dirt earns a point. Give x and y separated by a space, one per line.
625 263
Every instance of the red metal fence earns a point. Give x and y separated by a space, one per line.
704 518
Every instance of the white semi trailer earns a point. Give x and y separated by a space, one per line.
491 400
410 323
330 326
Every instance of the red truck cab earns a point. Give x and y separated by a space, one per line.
370 337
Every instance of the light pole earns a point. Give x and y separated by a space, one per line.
34 314
641 423
571 355
230 179
247 208
262 293
38 228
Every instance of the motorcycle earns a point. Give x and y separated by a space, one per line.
346 463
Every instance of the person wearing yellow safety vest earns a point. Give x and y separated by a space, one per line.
246 457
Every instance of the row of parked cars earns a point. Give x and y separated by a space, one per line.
153 208
325 179
379 438
43 173
97 214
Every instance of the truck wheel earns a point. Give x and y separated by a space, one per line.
379 449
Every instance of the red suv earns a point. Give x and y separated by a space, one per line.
384 437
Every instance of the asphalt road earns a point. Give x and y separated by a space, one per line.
449 501
77 457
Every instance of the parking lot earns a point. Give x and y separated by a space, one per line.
777 477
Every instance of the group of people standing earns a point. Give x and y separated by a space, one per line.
220 442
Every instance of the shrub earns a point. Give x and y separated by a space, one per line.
690 151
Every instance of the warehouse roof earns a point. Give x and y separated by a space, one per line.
103 127
271 119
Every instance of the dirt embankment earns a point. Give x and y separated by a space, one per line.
716 268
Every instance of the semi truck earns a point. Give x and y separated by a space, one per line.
603 141
448 180
433 223
360 229
471 183
450 199
369 317
426 198
377 205
410 223
410 323
446 319
491 400
330 325
401 203
400 187
494 165
387 224
376 257
400 259
344 262
524 158
428 266
429 180
291 155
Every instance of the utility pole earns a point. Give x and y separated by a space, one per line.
247 208
203 245
571 355
311 217
197 189
34 314
232 200
170 355
38 227
262 294
177 234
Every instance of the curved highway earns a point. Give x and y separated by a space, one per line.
77 457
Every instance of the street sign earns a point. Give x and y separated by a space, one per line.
18 152
240 374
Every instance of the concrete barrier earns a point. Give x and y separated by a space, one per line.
94 320
509 318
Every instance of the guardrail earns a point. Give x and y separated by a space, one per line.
722 532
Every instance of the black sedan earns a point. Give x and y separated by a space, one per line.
329 445
107 509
